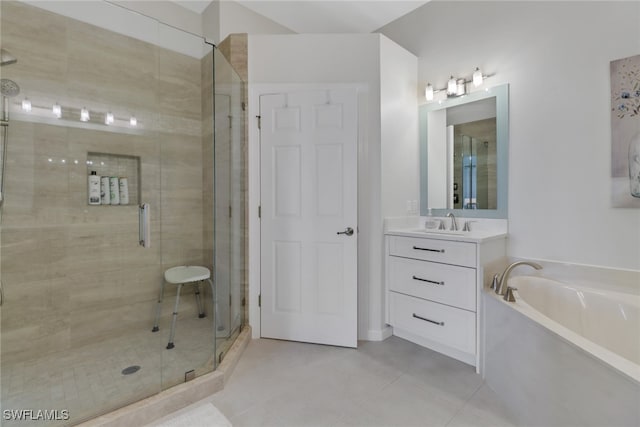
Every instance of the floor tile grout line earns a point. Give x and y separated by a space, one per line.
464 405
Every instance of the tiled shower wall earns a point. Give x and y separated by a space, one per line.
235 49
74 274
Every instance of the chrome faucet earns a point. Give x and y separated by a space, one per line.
454 224
500 285
467 225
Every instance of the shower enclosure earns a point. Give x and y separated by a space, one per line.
474 165
165 110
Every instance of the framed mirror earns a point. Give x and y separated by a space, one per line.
464 154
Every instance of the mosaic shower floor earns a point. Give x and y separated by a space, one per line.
89 381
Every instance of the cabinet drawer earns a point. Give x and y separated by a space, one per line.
447 284
445 251
450 326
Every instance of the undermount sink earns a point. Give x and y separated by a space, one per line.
435 231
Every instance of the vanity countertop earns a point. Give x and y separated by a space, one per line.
479 236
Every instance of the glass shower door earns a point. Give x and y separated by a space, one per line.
79 289
230 194
80 292
185 135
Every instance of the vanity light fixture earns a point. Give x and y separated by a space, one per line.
26 105
428 92
452 86
56 110
461 87
477 77
84 115
456 86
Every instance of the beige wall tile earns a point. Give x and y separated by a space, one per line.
49 232
179 85
80 267
124 69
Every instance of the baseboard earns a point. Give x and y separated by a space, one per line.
378 334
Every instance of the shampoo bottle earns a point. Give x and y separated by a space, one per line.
124 190
94 189
105 192
114 190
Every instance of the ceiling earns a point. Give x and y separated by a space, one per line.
324 16
197 6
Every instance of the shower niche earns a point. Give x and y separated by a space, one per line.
122 175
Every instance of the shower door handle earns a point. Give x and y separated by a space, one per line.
1 294
144 228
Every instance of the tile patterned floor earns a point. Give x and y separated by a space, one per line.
390 383
89 381
277 383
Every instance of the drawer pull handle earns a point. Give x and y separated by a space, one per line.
428 320
430 250
428 281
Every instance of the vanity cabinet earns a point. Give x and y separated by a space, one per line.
432 287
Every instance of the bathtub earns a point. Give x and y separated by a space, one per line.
564 354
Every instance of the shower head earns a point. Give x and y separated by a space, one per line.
9 88
6 58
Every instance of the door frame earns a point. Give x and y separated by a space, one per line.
254 232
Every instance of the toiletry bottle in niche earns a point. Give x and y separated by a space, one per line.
105 193
124 190
94 188
114 190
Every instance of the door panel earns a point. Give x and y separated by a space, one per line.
309 195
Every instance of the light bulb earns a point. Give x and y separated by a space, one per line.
56 110
109 118
452 86
477 77
26 105
84 115
133 121
428 92
461 89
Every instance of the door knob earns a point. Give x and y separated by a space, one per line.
348 231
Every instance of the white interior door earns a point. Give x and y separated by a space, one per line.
308 196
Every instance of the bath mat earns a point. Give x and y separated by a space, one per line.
205 415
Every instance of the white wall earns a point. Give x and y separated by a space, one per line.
351 59
128 18
555 56
226 17
399 132
325 59
167 12
399 159
236 18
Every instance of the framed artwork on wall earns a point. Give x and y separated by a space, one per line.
625 132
